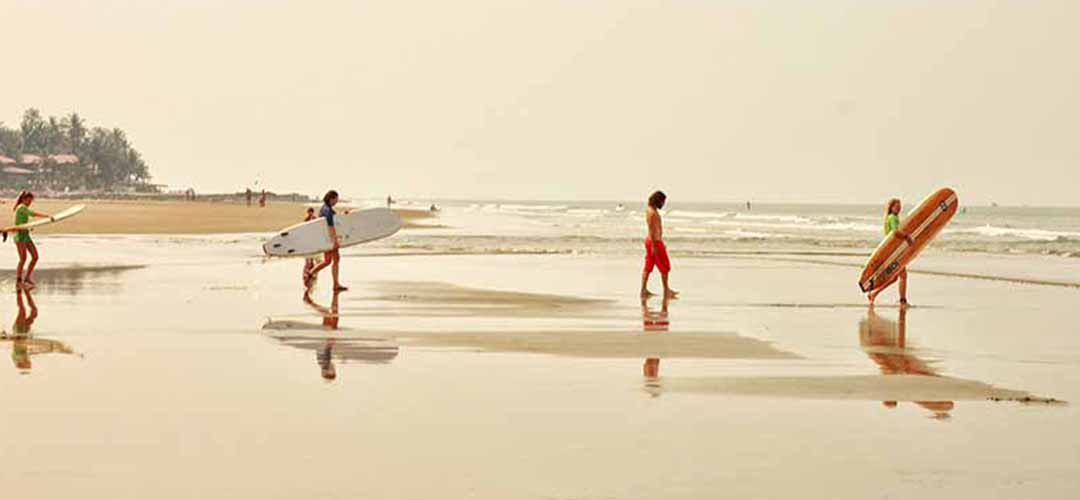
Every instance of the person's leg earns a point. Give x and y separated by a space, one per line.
664 265
668 292
32 249
322 265
337 283
873 295
21 248
903 287
645 284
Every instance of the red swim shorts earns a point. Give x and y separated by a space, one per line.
656 256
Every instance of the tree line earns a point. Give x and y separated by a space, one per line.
103 158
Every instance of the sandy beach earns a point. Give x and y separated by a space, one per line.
183 217
767 379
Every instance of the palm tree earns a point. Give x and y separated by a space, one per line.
76 132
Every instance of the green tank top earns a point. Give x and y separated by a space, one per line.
892 223
22 216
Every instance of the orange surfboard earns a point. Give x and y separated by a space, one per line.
894 253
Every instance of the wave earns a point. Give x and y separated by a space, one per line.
1006 232
688 214
777 218
532 208
586 212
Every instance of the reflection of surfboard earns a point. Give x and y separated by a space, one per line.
66 214
894 253
312 237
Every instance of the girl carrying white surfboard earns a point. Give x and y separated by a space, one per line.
23 242
332 257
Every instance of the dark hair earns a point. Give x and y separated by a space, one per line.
895 202
22 196
657 199
331 194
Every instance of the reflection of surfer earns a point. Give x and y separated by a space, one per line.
885 343
23 345
654 321
325 355
891 225
329 314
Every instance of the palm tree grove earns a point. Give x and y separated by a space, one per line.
65 155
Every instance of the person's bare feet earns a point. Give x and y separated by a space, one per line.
340 288
671 294
646 294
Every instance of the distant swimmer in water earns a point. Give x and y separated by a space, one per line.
23 243
332 257
310 262
892 224
655 252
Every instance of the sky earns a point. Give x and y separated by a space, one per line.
710 100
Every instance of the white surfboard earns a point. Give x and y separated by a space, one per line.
66 214
312 237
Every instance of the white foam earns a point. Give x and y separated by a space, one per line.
1007 232
687 214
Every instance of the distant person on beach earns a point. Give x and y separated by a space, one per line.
389 201
655 252
892 224
23 243
262 199
247 196
310 262
332 257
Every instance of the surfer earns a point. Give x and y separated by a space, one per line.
892 224
23 243
655 252
332 257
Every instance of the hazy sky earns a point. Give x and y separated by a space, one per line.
711 100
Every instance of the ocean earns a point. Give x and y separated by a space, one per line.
703 229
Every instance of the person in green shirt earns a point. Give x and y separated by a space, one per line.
23 243
891 225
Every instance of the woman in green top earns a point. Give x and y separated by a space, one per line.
892 224
23 242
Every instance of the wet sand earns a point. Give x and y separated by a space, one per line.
186 368
179 217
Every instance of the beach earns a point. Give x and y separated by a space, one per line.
478 358
183 217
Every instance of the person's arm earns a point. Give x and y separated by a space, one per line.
333 237
905 236
41 214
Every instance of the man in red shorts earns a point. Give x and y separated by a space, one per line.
655 252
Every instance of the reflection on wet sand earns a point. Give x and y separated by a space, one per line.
904 377
71 280
328 341
435 299
885 342
23 344
571 339
653 320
